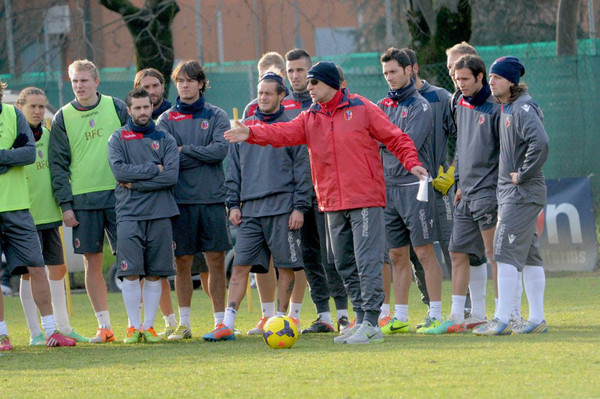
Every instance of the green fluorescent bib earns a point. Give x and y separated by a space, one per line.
13 184
88 133
43 207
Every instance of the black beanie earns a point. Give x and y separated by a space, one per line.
509 68
326 72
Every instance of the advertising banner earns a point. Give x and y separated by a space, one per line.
568 241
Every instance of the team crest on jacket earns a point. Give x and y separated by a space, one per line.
507 121
204 125
404 112
77 243
481 119
348 115
92 123
124 265
155 145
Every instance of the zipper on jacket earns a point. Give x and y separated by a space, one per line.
337 170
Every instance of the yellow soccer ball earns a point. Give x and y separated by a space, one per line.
280 332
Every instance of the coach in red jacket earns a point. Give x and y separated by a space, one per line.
342 132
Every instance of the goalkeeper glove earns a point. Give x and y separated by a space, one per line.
444 180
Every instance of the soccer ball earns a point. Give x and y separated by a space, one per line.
280 332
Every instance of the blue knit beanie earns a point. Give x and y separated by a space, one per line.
326 72
509 68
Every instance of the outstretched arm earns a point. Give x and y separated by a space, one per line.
237 134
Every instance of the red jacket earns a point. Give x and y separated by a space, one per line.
344 151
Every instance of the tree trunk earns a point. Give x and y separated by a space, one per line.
150 29
566 27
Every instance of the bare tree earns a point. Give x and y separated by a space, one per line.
566 27
434 28
434 25
150 28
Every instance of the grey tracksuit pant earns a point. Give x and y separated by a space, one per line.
358 242
323 278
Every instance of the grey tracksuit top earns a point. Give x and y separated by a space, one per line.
198 129
257 176
21 156
443 124
523 149
59 155
414 116
477 148
134 156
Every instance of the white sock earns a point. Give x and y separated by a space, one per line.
30 309
507 282
295 309
326 317
219 316
385 311
401 313
59 305
495 306
457 313
477 287
3 328
104 318
435 310
151 294
132 296
268 309
278 313
535 283
229 320
184 316
516 303
48 324
170 320
341 313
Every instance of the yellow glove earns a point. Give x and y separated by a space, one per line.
444 180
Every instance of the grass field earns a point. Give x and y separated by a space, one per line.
565 362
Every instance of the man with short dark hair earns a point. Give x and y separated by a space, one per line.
82 182
266 283
521 197
408 221
145 163
342 131
268 193
200 193
153 81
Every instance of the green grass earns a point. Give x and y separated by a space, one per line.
564 362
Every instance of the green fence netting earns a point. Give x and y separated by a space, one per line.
565 87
